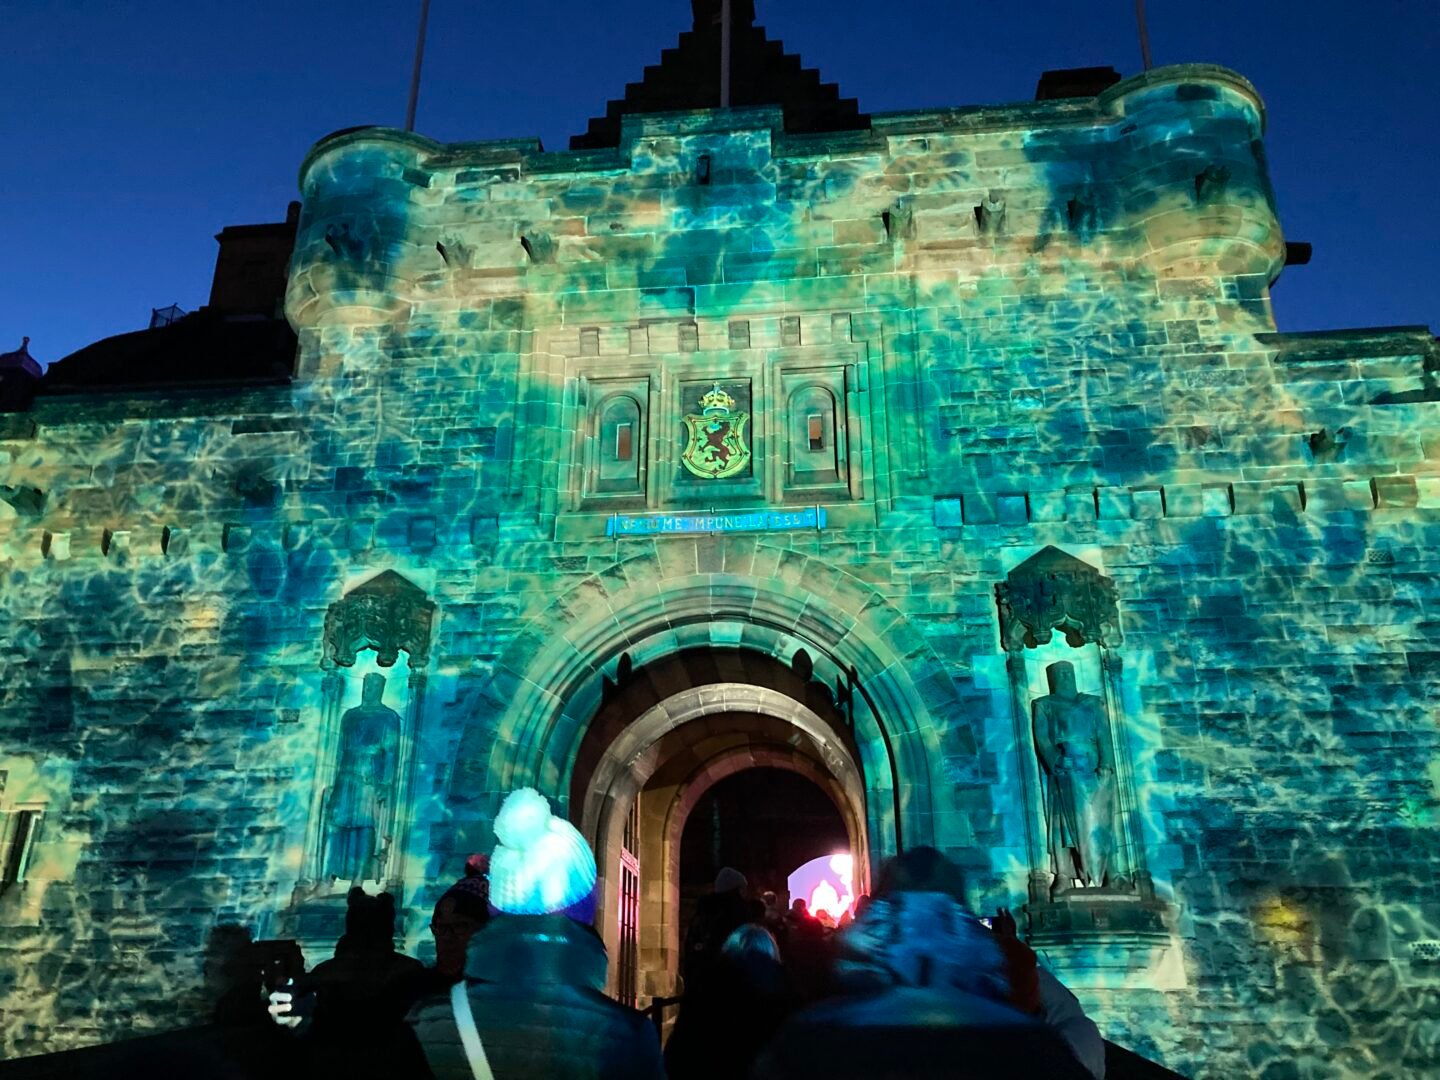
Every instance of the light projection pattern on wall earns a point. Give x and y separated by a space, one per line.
1089 364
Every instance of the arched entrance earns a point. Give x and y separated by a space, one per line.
665 736
765 822
638 687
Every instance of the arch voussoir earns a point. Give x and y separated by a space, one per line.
743 594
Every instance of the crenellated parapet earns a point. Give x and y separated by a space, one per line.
719 212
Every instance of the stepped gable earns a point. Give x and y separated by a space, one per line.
761 73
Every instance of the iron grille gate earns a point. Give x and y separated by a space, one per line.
629 897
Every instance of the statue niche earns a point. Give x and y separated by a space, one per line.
1072 741
364 771
1081 823
357 804
1091 897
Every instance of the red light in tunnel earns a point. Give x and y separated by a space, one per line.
827 884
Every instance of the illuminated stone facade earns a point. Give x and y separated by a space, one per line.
1021 363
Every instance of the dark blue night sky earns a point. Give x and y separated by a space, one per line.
134 131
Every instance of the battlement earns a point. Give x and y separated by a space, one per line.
1162 172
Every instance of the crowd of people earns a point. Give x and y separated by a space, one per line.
915 985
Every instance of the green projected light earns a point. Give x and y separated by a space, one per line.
953 463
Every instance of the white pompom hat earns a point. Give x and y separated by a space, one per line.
541 865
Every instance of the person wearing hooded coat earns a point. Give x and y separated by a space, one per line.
926 991
723 1024
717 916
534 985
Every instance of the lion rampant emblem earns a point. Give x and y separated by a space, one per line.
716 447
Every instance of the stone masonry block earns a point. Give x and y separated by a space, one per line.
1396 491
1013 509
979 508
235 538
1427 491
1113 503
115 544
1331 495
1183 500
422 532
55 545
174 542
359 535
1251 497
1286 498
860 231
1080 504
1217 500
1047 506
1148 502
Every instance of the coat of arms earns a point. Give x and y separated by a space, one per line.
716 447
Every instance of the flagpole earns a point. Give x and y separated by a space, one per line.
724 54
415 74
1144 34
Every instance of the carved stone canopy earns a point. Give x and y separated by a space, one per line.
386 614
1054 590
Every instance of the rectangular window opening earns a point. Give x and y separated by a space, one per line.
22 843
815 431
623 447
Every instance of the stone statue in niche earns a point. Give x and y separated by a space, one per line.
1072 741
364 785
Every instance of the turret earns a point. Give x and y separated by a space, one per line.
1188 169
359 249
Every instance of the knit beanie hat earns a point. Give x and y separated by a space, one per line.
470 895
476 881
541 865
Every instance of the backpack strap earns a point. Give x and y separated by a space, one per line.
469 1033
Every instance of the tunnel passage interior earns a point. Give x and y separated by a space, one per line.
693 742
764 822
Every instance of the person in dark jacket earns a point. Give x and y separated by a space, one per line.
350 1014
809 955
927 990
534 988
717 916
723 1024
459 915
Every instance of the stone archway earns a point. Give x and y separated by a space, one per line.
661 912
662 753
908 721
781 636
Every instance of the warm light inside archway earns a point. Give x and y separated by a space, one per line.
826 884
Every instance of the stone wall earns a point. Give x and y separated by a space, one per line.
1041 325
